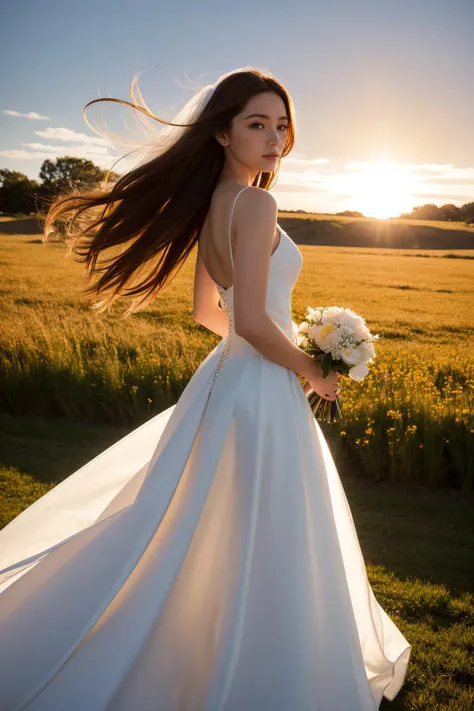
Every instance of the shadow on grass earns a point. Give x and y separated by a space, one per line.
21 226
417 544
412 531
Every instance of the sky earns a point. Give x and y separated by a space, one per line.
382 90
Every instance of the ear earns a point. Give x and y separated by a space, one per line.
221 138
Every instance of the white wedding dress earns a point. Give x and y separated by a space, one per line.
208 561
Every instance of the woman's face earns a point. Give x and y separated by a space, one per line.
258 130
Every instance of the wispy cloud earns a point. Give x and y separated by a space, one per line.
103 160
85 147
66 134
96 149
65 141
29 115
424 171
17 154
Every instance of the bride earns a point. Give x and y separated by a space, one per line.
208 561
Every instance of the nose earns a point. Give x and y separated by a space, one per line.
273 146
274 138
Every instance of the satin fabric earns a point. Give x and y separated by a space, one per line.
208 561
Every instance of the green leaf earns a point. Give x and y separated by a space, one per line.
326 364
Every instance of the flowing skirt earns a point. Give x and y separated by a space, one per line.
208 561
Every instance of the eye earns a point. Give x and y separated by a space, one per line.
259 123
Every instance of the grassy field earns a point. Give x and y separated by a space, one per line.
396 233
411 419
72 382
434 224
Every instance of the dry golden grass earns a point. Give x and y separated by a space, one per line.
61 358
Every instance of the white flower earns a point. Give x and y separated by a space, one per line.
350 319
332 338
302 341
323 335
349 355
314 331
331 314
314 314
361 330
367 351
358 372
303 327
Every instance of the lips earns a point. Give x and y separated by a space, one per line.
271 155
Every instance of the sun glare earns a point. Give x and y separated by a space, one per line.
380 189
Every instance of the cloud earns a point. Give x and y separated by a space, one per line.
18 155
447 198
30 115
434 172
66 134
38 151
84 147
96 149
301 162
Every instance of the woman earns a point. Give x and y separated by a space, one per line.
208 561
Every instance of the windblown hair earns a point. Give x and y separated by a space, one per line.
151 217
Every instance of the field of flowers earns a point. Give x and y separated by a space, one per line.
412 419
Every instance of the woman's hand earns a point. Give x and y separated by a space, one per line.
325 387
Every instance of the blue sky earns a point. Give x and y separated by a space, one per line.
382 90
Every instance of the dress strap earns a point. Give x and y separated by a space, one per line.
230 222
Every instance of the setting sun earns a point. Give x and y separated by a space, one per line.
379 189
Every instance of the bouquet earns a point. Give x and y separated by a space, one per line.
341 341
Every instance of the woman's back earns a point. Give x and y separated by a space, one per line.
214 237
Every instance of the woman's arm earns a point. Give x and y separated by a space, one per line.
255 217
216 321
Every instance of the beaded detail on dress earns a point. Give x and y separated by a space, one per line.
228 339
225 305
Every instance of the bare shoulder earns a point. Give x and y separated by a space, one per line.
255 204
258 197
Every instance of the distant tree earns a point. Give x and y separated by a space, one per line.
350 213
423 212
69 172
450 212
17 192
467 211
20 194
65 174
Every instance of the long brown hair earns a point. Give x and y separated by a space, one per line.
152 215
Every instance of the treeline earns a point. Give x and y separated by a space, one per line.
22 195
448 213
